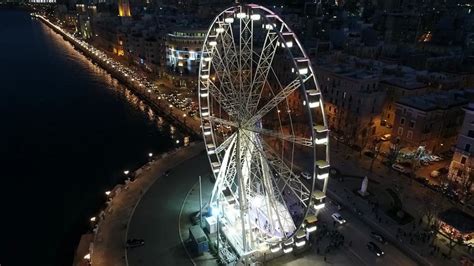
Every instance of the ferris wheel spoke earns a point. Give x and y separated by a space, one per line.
223 146
291 181
291 138
264 64
227 87
221 121
222 99
274 196
277 99
289 177
245 53
229 50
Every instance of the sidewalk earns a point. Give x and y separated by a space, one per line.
111 234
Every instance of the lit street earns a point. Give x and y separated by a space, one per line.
359 233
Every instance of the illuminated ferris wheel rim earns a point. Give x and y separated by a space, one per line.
246 121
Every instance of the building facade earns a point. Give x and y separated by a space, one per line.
395 89
353 102
183 50
460 174
431 120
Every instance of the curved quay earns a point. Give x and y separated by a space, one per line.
190 127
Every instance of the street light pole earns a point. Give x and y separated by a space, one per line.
200 202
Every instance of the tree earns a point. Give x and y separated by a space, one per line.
466 184
431 204
376 152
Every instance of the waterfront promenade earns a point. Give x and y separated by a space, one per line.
111 235
133 81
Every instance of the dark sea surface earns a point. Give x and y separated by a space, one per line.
67 133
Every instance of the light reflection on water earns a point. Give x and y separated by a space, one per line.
69 130
113 84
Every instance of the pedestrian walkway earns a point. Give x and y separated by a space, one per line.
111 233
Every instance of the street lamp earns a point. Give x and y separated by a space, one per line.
177 141
107 193
150 154
126 172
93 219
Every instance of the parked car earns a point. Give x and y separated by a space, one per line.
386 137
436 158
133 243
375 249
338 218
435 173
400 168
369 154
425 162
378 237
306 175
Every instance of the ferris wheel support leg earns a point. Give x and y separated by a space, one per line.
242 198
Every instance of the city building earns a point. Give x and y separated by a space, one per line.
460 174
183 49
124 8
396 88
353 100
183 52
430 120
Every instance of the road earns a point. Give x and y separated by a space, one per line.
156 217
359 233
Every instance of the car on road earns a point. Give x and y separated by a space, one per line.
338 218
386 137
306 175
400 168
358 211
375 249
133 243
378 237
436 158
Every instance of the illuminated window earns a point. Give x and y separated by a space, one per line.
400 131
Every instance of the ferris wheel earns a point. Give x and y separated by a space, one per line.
265 131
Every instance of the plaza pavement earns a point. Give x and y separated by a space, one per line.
111 235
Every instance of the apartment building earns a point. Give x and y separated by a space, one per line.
460 173
353 101
431 120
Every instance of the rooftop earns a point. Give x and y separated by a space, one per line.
405 83
436 101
